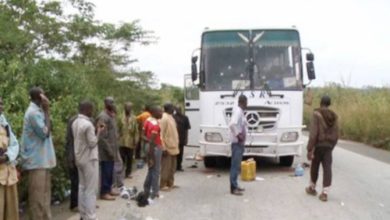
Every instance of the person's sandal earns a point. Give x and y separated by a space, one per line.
236 192
311 191
323 197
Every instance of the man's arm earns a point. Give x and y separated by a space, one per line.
163 127
12 149
92 138
313 133
134 130
152 141
103 137
39 125
233 125
188 124
45 107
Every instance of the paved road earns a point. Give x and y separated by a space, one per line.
361 190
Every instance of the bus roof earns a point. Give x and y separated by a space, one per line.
293 28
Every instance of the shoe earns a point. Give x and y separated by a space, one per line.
129 176
114 193
240 189
107 197
174 187
180 169
311 191
323 197
236 192
74 209
155 196
165 189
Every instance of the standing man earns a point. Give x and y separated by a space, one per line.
108 148
238 130
141 118
170 143
86 158
38 155
152 136
324 133
183 125
9 150
129 137
71 165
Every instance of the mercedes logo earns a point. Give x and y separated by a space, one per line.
253 119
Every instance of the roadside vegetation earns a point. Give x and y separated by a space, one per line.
72 56
364 114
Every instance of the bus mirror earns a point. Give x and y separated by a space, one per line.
310 70
309 57
194 69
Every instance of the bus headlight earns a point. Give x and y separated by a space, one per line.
213 137
289 136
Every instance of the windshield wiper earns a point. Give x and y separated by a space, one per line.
267 89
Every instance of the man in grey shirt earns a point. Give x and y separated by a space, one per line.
86 159
108 148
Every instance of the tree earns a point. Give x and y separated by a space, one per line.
71 56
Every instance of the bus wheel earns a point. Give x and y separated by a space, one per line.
209 162
286 161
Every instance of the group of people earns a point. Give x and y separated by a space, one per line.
324 134
37 156
99 153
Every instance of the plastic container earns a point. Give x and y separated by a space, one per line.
299 171
248 170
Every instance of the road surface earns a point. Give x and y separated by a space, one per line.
361 190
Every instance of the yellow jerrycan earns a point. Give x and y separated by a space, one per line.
248 170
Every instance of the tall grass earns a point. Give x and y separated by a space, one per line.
364 114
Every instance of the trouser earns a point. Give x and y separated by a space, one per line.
322 155
153 175
138 150
88 186
74 186
180 157
9 207
127 158
235 168
168 168
118 172
39 194
106 170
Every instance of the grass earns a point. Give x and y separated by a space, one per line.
364 114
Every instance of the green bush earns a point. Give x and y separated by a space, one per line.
362 112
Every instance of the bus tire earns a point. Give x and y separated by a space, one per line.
209 162
286 161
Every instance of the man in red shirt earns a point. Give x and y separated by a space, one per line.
154 152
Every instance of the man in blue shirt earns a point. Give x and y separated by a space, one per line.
9 149
37 153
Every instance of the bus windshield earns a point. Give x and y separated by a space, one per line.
253 59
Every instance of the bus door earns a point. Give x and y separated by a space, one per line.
192 110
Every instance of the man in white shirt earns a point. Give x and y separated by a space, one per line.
238 130
86 159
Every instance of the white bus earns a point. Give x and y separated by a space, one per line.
266 66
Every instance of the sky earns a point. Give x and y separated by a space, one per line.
350 38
